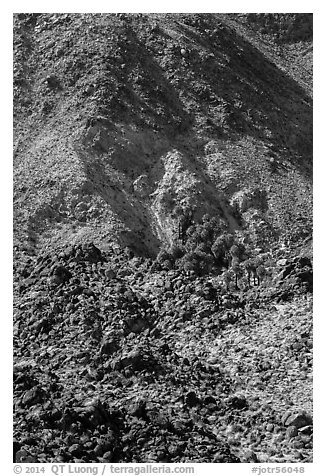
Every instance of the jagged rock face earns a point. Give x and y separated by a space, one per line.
97 112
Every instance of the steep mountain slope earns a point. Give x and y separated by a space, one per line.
285 39
124 122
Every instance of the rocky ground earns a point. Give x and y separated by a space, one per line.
129 129
115 362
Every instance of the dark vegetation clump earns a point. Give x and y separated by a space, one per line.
207 247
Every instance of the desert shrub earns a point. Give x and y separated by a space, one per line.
205 261
205 231
167 264
218 249
190 231
207 247
194 237
239 250
188 266
197 260
189 263
176 252
228 239
204 247
221 248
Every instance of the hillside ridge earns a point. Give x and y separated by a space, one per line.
208 83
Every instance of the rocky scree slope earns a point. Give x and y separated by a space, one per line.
124 122
116 362
123 125
286 39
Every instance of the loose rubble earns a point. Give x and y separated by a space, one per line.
145 366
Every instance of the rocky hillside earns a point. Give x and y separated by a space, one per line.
116 362
163 238
125 122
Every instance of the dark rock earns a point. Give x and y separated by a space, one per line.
135 360
238 403
298 420
32 396
306 430
110 274
291 431
107 457
29 441
102 448
53 82
16 447
209 400
180 427
138 409
60 275
89 252
303 261
109 346
88 292
298 444
75 450
287 271
191 399
306 277
92 415
136 324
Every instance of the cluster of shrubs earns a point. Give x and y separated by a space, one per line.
207 247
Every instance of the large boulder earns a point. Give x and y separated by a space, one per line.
91 253
298 419
59 275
